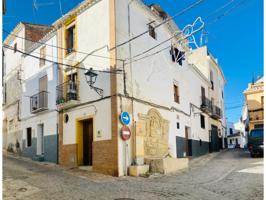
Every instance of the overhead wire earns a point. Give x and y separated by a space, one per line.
59 63
165 21
62 48
168 19
160 24
209 24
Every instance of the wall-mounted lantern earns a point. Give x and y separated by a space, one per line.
91 78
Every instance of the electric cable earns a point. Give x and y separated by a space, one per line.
51 61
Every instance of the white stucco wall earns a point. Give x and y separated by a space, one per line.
92 26
11 109
152 79
32 72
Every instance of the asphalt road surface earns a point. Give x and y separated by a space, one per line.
227 175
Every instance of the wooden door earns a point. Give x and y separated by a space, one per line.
87 142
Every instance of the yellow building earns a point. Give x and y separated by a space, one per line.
254 97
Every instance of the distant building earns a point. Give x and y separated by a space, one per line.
254 99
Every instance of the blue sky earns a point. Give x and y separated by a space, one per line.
236 39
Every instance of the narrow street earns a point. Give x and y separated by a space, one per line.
230 174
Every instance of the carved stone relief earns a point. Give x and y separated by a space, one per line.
154 130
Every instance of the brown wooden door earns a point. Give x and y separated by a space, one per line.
87 142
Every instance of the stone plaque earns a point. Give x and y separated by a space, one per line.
155 131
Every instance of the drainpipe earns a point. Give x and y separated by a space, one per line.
131 81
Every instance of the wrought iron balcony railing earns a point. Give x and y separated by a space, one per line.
216 112
67 91
206 104
39 102
208 107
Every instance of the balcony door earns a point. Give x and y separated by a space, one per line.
43 92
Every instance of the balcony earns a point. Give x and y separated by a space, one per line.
206 105
216 112
39 102
67 94
256 115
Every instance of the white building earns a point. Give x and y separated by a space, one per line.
39 111
236 134
176 105
13 79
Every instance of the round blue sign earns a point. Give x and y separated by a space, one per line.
125 118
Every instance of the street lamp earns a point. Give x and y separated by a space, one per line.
91 79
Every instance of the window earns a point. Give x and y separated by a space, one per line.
211 79
176 94
152 32
222 94
28 137
202 121
70 39
42 56
203 92
203 97
231 131
177 125
15 47
230 141
72 86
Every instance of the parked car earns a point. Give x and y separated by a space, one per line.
255 142
237 146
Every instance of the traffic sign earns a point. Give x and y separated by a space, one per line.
125 118
125 133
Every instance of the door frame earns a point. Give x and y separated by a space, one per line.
79 136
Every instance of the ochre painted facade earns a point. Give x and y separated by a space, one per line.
254 96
